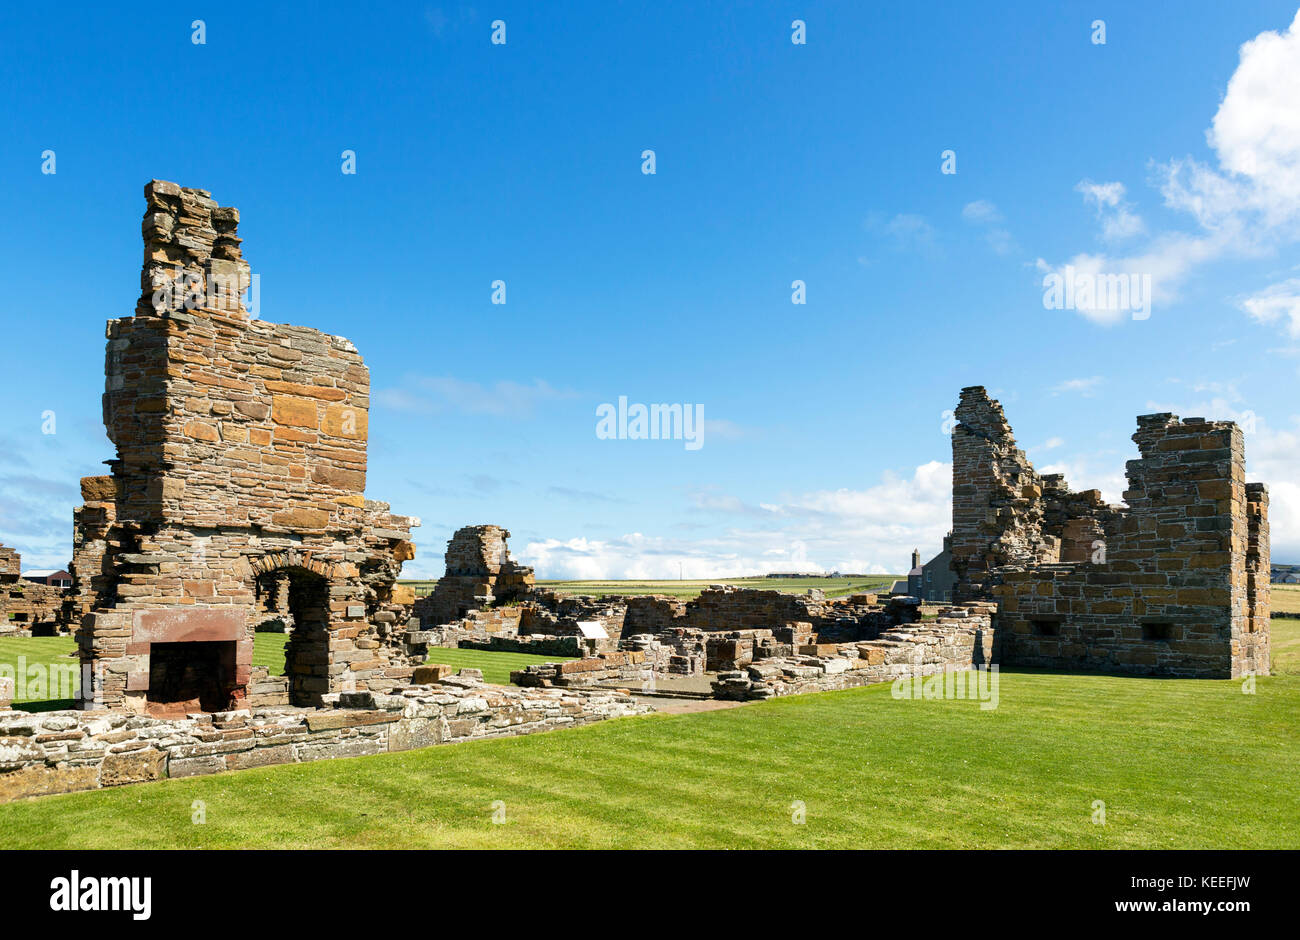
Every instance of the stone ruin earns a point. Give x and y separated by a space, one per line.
727 643
480 574
238 482
1174 583
27 608
235 502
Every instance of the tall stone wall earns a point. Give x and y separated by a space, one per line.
1173 583
998 512
240 460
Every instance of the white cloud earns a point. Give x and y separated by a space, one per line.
1086 387
728 430
870 530
1277 303
910 230
984 213
981 211
1249 204
1256 137
1117 217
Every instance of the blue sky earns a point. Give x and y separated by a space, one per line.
824 444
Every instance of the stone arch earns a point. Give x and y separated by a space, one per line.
294 558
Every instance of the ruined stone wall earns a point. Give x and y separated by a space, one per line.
65 751
480 573
726 608
240 457
1169 592
1259 587
26 606
566 646
960 638
652 613
10 565
998 512
633 669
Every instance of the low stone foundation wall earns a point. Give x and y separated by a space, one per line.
65 751
959 638
760 663
634 668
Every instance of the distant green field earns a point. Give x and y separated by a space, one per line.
834 587
1286 598
421 588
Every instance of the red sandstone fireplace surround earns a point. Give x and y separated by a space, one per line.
198 659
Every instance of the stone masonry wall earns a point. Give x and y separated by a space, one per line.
61 752
26 606
480 573
960 638
240 459
998 514
1174 583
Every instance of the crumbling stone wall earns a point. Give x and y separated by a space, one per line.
11 565
480 573
1174 583
759 663
998 511
634 669
959 638
1258 575
652 613
728 629
240 460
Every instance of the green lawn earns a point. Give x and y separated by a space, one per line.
1178 763
496 666
268 651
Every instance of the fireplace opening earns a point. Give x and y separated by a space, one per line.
191 677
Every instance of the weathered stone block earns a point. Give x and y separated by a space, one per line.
133 767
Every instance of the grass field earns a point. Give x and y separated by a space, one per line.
496 666
834 587
1178 763
1286 598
